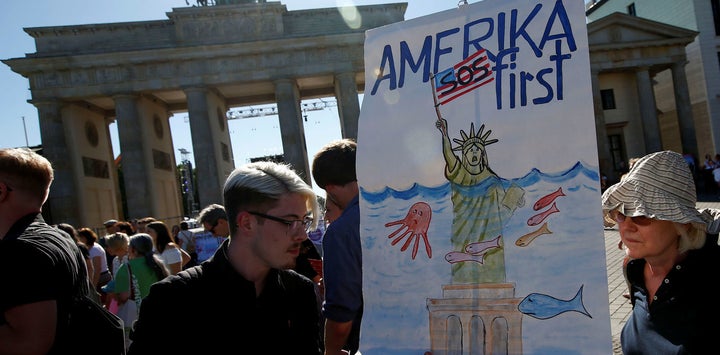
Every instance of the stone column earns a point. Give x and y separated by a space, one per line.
348 104
63 203
292 131
137 166
683 106
209 184
603 146
648 111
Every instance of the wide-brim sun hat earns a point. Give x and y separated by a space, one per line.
660 186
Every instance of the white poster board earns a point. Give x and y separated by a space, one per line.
206 244
480 191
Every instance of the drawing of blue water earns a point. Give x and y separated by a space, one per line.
396 287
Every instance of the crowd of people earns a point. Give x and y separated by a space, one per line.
249 268
709 174
254 247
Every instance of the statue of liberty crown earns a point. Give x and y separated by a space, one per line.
478 138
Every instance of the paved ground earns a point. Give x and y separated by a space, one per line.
620 307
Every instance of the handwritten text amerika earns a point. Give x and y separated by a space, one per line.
510 37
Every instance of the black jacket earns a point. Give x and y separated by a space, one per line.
212 309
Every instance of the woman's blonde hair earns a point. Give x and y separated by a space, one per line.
690 238
117 240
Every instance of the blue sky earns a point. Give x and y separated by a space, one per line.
255 136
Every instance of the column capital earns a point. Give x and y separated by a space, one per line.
284 81
195 89
49 109
46 102
679 64
345 75
131 97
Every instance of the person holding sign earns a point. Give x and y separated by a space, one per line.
334 171
673 261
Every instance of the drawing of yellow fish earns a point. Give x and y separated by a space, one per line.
526 239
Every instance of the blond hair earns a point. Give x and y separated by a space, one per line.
690 239
23 169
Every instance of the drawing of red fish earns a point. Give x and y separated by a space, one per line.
482 247
547 199
457 256
526 239
538 218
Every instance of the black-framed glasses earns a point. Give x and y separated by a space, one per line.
617 216
293 225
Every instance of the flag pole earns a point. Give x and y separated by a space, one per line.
432 87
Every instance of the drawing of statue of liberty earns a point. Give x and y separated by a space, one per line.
482 204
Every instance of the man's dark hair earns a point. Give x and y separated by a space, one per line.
69 229
125 227
334 164
211 214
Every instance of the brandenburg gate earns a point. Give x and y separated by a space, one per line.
201 60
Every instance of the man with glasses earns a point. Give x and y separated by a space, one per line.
41 268
334 171
245 296
214 219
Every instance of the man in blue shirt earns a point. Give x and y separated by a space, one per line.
334 171
214 220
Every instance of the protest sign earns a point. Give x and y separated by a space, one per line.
206 244
480 188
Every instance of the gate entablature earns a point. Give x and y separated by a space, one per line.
203 60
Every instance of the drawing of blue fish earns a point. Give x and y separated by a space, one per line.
542 306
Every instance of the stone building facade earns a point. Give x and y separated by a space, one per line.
204 60
701 67
201 60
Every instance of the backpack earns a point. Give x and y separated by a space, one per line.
94 329
90 328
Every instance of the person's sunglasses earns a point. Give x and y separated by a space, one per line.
618 217
294 225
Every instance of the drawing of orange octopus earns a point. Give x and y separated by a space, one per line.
414 226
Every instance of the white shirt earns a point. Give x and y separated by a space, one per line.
117 261
187 239
170 256
97 250
716 174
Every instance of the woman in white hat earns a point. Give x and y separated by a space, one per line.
673 264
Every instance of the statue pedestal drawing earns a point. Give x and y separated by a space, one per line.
476 319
